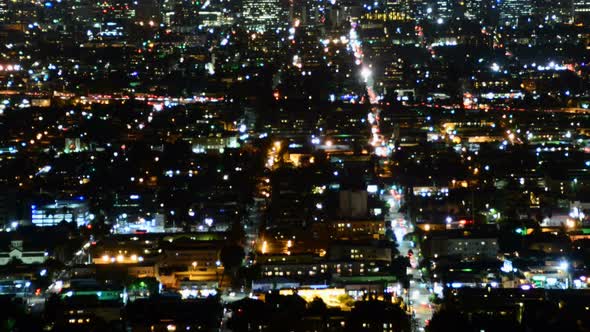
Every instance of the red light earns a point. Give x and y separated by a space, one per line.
89 226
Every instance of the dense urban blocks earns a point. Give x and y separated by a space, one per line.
329 165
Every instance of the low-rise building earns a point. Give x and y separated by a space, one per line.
467 245
15 252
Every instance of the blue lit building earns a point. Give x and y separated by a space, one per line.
61 210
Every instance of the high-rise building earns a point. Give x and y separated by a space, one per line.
476 9
260 15
4 11
581 9
443 10
512 10
18 12
181 14
398 6
309 12
554 10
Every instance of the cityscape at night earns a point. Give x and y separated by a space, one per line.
295 165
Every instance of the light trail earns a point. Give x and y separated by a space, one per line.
355 46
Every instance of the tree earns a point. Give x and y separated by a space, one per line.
449 319
231 257
399 267
237 233
317 306
247 274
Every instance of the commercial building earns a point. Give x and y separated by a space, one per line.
512 10
76 211
261 15
581 8
466 245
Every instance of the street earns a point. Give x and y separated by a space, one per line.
418 292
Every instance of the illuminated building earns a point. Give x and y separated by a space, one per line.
309 12
16 251
260 15
4 13
214 144
357 229
18 12
464 245
62 210
133 214
180 13
443 10
555 10
393 77
19 288
305 267
401 8
73 145
209 18
581 7
139 225
512 10
115 10
476 9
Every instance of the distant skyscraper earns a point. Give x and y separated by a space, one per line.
555 10
476 9
398 6
512 10
443 9
411 9
260 15
581 8
18 12
309 12
183 15
4 11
